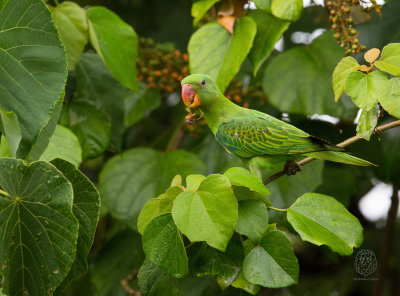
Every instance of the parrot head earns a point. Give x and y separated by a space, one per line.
198 90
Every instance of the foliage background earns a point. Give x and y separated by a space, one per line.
156 121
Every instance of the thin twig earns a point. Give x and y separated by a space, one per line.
176 137
387 242
345 143
125 283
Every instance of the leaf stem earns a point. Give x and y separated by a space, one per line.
276 209
345 143
56 2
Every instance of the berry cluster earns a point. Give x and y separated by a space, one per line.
164 67
160 66
342 22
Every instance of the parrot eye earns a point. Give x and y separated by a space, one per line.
203 82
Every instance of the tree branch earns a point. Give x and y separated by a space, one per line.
125 283
345 143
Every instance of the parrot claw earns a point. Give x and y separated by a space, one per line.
291 167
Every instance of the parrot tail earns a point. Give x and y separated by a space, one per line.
341 157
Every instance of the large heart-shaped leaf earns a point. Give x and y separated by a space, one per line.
272 264
147 173
299 79
37 228
33 72
222 55
321 220
86 208
163 245
366 89
116 42
208 214
72 25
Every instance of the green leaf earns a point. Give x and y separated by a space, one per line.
86 208
116 42
390 59
367 122
147 173
269 31
342 70
209 261
221 56
38 230
253 219
193 182
263 4
163 245
4 149
288 10
321 220
390 99
199 9
209 214
33 72
365 89
343 175
154 281
117 258
72 26
242 283
92 127
287 189
244 193
63 144
157 206
139 104
176 181
10 128
272 264
308 71
97 86
241 177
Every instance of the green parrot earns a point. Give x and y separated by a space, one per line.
258 138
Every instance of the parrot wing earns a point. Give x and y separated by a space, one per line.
260 135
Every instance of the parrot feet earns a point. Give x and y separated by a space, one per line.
291 167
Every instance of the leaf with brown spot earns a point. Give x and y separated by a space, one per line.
371 55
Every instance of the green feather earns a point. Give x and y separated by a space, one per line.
251 134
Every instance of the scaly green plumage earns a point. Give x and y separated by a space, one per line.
251 134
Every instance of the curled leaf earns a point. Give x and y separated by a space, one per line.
371 55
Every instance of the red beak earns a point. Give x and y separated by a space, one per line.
190 97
